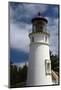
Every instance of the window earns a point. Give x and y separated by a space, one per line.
46 38
41 28
32 39
44 28
48 67
34 28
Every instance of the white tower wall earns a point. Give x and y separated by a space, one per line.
39 53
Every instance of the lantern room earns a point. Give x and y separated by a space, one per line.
39 24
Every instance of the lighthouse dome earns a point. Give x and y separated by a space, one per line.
39 17
39 23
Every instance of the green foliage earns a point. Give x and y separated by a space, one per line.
18 77
54 62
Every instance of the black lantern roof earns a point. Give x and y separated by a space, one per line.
39 17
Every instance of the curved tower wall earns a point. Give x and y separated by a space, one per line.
39 53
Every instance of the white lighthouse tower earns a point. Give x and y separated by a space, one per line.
39 68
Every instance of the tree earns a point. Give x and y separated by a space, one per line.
54 62
18 77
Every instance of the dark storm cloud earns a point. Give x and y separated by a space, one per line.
22 12
21 15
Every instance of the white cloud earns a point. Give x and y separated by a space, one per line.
53 30
19 30
19 37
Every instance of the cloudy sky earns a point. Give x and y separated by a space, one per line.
20 16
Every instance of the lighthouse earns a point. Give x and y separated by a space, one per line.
39 67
